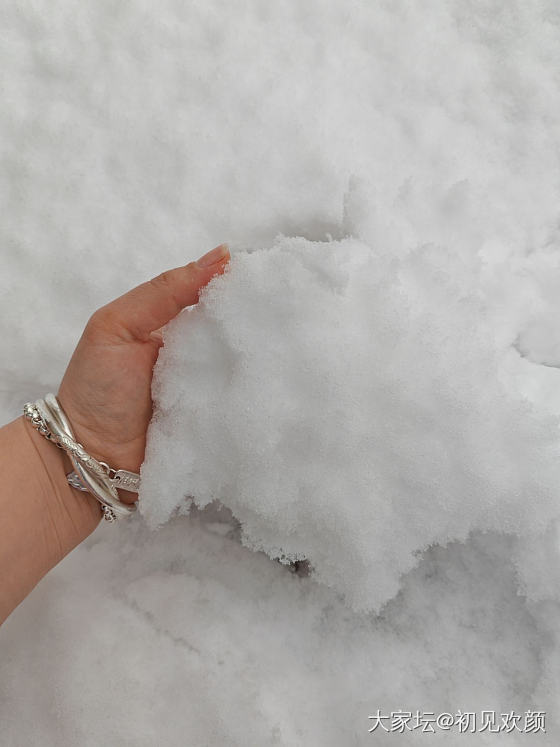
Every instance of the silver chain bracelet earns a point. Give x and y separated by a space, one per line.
89 474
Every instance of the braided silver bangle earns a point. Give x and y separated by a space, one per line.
89 474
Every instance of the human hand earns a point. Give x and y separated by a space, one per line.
106 390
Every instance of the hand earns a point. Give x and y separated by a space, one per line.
106 390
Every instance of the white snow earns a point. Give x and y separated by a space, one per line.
350 407
393 168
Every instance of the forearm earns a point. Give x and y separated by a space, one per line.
42 518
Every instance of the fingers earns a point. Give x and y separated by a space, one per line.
146 308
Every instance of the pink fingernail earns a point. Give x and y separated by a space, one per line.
213 257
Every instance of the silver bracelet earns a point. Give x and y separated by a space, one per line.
89 474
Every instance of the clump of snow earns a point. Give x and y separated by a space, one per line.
350 407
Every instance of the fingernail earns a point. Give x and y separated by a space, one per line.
157 336
213 257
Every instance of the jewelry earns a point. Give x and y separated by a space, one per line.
89 474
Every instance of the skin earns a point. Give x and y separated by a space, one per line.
106 394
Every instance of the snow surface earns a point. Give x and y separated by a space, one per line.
420 140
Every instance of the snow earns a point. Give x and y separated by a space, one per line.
318 392
387 174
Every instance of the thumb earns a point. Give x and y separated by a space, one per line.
136 314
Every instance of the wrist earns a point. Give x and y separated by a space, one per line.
42 519
70 515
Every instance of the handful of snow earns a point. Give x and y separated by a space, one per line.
351 407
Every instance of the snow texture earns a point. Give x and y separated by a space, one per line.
319 393
388 176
